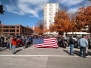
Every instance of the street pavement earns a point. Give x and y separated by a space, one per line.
43 58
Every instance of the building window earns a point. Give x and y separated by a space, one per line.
50 4
0 30
6 26
6 30
12 30
56 9
12 34
0 26
45 19
51 14
45 13
17 30
45 9
51 9
50 20
56 4
17 26
45 23
6 34
17 34
12 26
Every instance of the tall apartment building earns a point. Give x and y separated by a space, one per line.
50 10
15 30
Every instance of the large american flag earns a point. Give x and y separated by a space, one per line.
48 43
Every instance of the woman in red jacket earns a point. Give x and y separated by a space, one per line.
14 43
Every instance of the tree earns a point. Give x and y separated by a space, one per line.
80 18
88 17
40 24
37 30
39 27
83 17
62 23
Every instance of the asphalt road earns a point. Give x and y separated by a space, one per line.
43 58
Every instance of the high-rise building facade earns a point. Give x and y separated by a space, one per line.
50 10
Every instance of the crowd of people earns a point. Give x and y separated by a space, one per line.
12 42
83 42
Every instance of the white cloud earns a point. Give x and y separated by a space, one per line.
33 1
70 2
73 10
24 7
11 9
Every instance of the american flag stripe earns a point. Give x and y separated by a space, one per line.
48 43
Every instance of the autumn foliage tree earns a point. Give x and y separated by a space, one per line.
39 27
62 23
83 17
88 17
80 18
37 30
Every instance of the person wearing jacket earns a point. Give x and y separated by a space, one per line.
83 43
71 43
14 43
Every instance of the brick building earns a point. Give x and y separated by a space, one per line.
15 30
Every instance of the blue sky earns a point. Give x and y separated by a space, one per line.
29 12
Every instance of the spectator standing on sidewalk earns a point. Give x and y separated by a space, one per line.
0 43
83 43
86 37
14 43
10 42
71 43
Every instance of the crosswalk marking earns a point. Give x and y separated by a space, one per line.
39 56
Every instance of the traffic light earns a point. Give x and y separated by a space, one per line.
1 9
